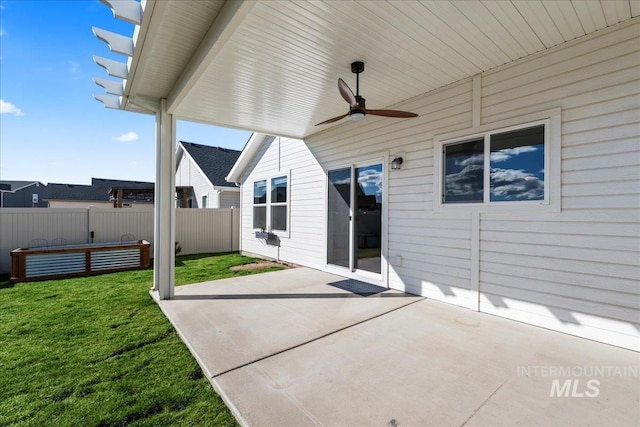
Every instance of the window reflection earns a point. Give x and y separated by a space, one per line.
517 165
464 172
259 192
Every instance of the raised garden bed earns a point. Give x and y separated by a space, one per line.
44 263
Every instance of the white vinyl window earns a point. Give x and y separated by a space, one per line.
279 203
271 204
515 172
260 204
507 166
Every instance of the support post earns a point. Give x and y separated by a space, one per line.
165 215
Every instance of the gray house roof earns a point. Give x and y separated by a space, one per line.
97 191
55 191
16 185
215 162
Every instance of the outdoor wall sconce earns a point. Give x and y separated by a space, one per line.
396 162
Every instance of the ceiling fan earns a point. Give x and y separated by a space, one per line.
357 109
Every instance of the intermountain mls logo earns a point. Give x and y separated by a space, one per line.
577 381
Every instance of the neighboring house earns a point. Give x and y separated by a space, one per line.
540 225
21 194
204 168
101 193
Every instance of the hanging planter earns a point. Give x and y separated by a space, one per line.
265 235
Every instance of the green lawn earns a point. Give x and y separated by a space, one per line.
97 351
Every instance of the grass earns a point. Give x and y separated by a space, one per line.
97 351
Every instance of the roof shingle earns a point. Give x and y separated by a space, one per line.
215 162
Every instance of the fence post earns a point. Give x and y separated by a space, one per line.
91 214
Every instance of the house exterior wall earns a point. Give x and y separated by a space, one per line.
79 204
188 174
305 242
230 198
23 198
574 268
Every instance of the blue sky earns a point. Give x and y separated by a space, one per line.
51 128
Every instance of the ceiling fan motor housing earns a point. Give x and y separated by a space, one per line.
357 67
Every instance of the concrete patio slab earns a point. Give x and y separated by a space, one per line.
230 323
410 362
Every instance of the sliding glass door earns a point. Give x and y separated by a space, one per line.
339 216
354 237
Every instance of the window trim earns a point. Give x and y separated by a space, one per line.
551 119
260 205
273 204
282 233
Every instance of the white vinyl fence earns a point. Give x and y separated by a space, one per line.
197 230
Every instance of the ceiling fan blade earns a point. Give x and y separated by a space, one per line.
347 93
335 119
391 113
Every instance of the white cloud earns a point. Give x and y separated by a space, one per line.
2 32
516 184
371 180
9 108
476 159
507 153
127 137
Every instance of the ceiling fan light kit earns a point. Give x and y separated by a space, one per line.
357 104
356 116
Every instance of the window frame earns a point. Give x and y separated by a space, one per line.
269 203
255 205
273 204
551 119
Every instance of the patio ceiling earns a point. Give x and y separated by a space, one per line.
272 66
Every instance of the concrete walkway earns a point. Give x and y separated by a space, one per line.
297 347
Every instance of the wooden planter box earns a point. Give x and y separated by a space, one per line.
77 260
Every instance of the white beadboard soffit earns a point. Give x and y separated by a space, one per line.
273 66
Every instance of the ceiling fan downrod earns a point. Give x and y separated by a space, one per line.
357 67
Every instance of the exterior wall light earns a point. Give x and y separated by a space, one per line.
396 163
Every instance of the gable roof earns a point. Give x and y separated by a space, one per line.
17 185
215 162
250 150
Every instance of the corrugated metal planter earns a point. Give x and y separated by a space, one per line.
77 260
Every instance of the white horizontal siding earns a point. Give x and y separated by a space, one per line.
190 175
229 199
578 270
435 251
304 245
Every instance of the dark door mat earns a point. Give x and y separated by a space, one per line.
359 288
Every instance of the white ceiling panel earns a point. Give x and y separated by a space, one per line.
277 71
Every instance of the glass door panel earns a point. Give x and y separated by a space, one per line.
368 218
339 217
